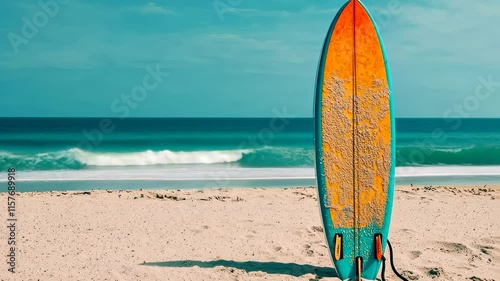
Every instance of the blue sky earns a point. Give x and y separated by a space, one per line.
234 58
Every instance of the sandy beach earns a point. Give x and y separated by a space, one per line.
438 233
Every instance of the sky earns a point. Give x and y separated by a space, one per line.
234 58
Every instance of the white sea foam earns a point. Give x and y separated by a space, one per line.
453 149
191 172
223 173
157 157
446 171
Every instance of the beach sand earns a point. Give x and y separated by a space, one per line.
438 233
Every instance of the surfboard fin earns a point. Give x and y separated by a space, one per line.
378 247
359 267
338 246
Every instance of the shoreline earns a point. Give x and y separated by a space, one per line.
187 177
195 186
438 233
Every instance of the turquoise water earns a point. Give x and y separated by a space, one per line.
91 152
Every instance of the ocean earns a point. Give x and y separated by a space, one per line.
93 153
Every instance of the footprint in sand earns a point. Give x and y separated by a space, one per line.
410 275
449 247
317 229
415 254
487 250
308 250
406 230
434 272
474 278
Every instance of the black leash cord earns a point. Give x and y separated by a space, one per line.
392 265
383 269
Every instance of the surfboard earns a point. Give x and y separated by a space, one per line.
355 143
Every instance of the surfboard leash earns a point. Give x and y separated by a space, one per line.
391 259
